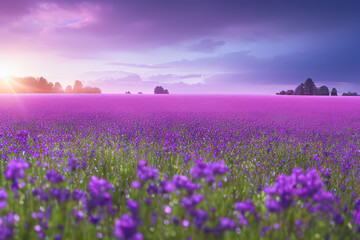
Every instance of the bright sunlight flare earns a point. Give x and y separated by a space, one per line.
4 72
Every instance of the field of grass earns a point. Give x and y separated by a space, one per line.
179 167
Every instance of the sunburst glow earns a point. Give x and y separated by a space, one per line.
4 72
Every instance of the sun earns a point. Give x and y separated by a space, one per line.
4 72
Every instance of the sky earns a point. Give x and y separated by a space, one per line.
189 47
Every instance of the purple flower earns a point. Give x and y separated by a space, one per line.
308 187
72 163
79 215
136 184
37 228
185 223
284 187
175 220
21 135
338 219
167 209
242 220
99 195
182 182
41 219
200 216
264 230
16 171
54 177
208 171
227 223
98 189
356 214
190 202
132 206
95 219
62 195
7 226
246 206
39 192
276 226
146 173
166 187
3 197
153 219
219 168
78 194
126 228
152 189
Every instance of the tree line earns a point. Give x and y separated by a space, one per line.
41 85
309 88
157 90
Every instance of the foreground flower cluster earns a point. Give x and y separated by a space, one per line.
177 175
184 202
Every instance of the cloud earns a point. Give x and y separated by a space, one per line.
94 75
229 62
131 82
134 65
206 46
14 10
173 78
331 62
141 25
119 82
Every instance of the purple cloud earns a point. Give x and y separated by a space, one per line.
131 82
13 10
139 25
133 65
207 46
171 78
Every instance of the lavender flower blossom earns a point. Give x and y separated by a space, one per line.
3 197
126 228
99 195
54 177
16 171
208 171
7 227
307 187
146 173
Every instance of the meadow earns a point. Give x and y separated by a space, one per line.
179 167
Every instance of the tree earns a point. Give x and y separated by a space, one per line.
160 90
58 88
323 90
78 86
334 92
300 90
290 92
128 92
68 89
350 94
41 85
140 93
282 92
96 90
310 88
90 90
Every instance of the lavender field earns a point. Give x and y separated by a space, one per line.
179 167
